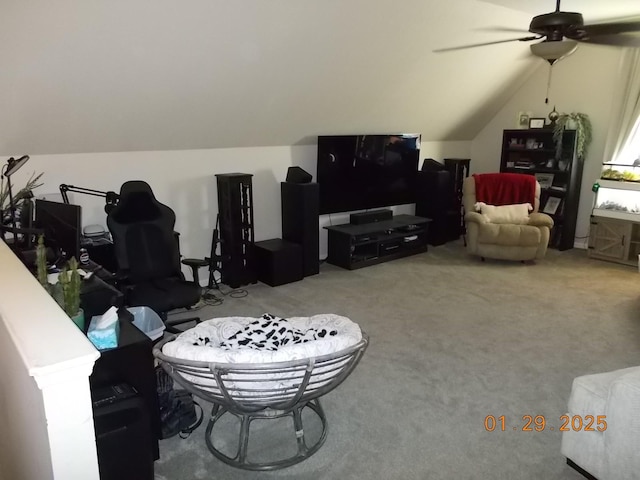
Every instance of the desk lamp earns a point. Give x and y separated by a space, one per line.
111 198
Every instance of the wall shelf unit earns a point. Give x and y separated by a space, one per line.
559 172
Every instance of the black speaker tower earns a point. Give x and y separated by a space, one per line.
301 221
439 197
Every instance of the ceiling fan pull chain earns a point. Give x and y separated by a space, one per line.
546 100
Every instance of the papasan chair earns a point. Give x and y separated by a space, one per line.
264 368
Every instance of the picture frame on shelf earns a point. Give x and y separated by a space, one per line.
545 180
523 119
552 205
536 122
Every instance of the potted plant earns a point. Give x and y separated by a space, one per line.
24 193
71 283
67 291
584 132
41 264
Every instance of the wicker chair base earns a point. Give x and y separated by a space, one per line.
264 391
241 459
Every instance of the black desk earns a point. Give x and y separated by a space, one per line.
131 362
101 251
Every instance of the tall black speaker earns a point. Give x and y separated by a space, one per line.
435 199
301 221
235 207
459 168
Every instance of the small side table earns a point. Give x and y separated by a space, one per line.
132 362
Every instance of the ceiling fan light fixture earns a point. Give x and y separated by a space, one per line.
554 51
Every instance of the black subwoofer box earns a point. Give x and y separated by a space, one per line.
300 221
278 261
123 440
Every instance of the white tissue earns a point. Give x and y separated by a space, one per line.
109 318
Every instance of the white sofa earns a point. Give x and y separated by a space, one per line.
614 453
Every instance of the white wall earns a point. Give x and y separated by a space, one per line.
185 181
582 82
46 419
155 75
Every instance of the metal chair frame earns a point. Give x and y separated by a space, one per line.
252 391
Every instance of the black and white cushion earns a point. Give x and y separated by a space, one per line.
265 339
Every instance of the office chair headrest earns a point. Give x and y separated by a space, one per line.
137 203
135 186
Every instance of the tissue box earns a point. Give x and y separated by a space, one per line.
103 338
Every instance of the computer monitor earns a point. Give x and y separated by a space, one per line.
62 226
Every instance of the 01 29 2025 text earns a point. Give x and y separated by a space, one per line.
539 423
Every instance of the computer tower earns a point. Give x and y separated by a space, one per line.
301 220
123 434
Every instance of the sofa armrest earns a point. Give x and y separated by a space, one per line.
475 217
538 219
622 435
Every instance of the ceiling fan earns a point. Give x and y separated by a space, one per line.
562 30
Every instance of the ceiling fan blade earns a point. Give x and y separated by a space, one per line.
622 40
521 31
611 28
462 47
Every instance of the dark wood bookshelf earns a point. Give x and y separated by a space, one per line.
534 152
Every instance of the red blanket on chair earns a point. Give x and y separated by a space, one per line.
505 188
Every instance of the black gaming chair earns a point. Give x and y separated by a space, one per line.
147 252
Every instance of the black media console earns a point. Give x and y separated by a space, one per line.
356 246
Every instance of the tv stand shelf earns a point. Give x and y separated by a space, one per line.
356 246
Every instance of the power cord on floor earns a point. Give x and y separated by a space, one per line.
210 298
233 293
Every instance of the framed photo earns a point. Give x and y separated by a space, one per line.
551 207
536 123
523 119
545 180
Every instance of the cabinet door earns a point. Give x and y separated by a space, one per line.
609 238
634 244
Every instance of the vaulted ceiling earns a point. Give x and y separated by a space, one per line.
129 75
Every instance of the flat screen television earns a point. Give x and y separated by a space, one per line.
61 224
357 172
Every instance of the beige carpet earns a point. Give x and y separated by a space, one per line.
453 339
